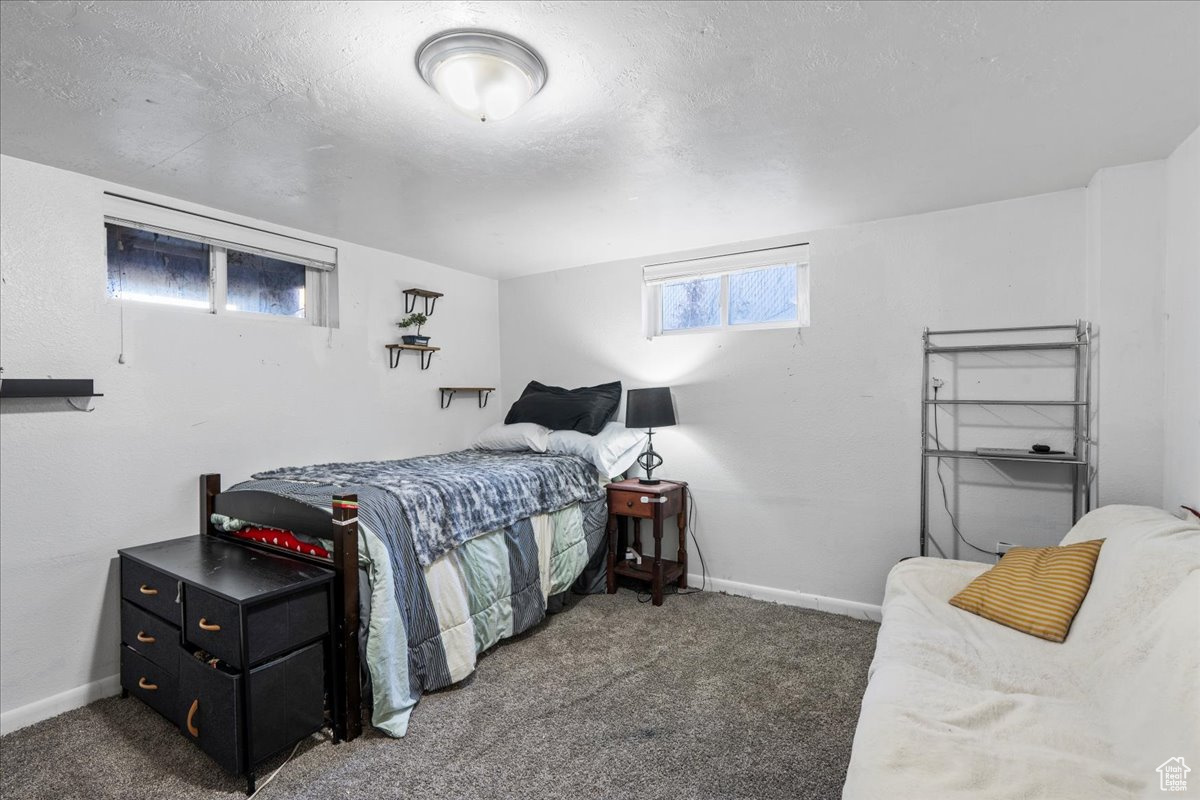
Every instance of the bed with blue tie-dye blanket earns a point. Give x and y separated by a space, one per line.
461 550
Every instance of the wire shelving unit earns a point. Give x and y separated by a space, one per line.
1077 337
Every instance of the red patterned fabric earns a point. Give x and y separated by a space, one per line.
284 539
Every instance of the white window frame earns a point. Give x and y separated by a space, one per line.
655 276
319 261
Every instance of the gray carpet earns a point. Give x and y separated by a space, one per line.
708 696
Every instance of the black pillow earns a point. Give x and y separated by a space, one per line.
585 409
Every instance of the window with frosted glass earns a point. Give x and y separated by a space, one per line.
691 304
263 285
156 268
763 295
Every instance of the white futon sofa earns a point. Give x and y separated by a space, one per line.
961 707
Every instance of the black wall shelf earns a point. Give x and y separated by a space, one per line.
448 393
47 387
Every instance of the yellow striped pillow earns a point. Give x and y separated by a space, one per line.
1036 590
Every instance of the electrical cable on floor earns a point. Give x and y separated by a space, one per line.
271 777
945 499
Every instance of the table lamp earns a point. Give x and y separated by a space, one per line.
649 409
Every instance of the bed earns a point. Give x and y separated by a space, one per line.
436 559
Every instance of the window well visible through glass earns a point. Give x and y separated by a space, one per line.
263 285
762 295
691 304
155 268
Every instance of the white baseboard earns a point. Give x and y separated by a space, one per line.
788 597
48 707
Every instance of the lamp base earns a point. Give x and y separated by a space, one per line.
649 481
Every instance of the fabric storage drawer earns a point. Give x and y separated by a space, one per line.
273 627
151 683
152 590
286 700
630 505
209 710
150 636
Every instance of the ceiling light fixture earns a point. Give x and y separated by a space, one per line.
485 75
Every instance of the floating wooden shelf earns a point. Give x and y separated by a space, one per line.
448 393
424 351
47 387
410 300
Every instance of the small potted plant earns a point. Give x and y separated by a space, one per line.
408 322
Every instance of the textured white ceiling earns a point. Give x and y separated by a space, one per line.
664 126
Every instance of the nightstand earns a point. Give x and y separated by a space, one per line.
631 500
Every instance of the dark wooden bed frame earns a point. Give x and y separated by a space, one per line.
276 511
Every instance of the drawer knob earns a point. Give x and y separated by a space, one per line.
191 726
147 590
205 625
144 639
629 503
144 684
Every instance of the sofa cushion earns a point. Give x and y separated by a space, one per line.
1035 590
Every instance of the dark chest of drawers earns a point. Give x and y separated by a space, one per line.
229 643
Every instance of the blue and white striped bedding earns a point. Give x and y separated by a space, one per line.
429 621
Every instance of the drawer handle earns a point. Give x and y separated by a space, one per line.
653 500
144 639
147 590
205 625
142 684
191 726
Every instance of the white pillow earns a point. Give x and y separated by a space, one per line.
613 450
521 436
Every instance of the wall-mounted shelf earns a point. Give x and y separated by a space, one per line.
448 393
424 351
47 387
410 300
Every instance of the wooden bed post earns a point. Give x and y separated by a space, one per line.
210 487
347 716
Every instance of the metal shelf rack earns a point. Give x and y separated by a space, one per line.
1080 459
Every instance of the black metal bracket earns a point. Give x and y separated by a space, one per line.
410 302
448 395
426 355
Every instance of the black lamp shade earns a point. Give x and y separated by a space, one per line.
649 408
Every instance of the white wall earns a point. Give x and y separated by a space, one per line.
1125 304
200 393
1181 415
802 447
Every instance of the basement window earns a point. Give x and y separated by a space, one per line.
169 257
741 291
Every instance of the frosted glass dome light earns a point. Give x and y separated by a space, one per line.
485 75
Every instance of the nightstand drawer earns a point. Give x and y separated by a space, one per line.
150 636
151 683
213 624
152 590
630 504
